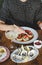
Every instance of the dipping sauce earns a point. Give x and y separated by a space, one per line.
38 43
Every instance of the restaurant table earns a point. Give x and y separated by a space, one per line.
7 43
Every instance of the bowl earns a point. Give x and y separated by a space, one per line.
38 43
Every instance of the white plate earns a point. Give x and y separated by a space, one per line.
29 58
30 41
5 55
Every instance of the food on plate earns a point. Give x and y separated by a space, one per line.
25 37
27 48
19 34
11 35
2 50
31 53
4 53
22 37
21 54
24 54
30 34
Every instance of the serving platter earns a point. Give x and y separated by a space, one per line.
18 58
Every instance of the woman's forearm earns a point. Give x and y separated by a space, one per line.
4 27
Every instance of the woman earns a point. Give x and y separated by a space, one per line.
22 13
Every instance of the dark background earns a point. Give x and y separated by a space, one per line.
1 1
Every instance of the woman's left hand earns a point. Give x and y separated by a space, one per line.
40 24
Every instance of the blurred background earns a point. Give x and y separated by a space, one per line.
1 1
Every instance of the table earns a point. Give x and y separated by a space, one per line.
5 42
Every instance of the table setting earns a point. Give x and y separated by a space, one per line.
23 45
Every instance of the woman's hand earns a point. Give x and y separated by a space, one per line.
40 24
2 22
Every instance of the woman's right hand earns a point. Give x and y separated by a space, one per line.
2 22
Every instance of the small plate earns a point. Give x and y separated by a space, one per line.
5 55
39 44
34 51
